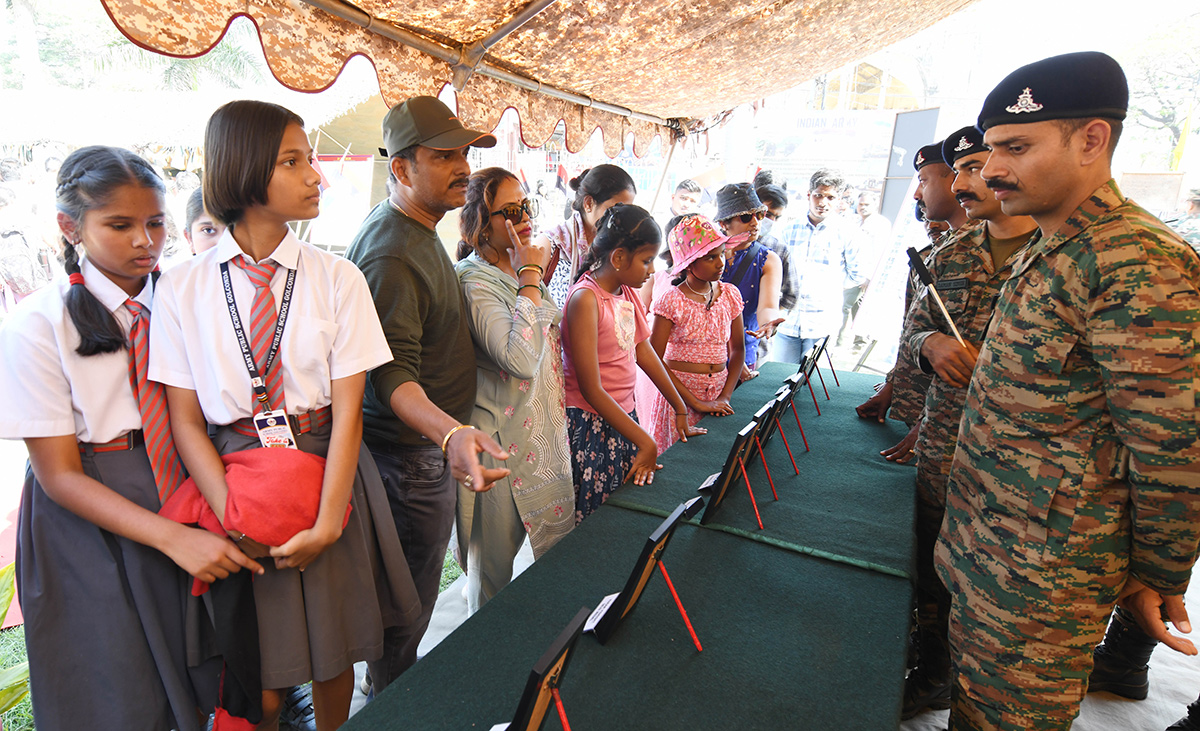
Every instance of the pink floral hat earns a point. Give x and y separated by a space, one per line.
693 237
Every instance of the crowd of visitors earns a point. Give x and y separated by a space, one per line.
504 397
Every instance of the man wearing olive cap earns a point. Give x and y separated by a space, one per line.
1075 480
417 408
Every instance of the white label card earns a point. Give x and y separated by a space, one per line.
599 612
273 429
709 481
501 726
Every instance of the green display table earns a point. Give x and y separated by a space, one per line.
803 624
846 502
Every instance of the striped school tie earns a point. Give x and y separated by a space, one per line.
262 327
152 403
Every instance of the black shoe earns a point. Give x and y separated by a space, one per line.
1120 662
922 693
1187 723
1190 722
297 712
1113 675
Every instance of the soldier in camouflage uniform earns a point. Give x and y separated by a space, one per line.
1075 480
905 386
1189 226
968 271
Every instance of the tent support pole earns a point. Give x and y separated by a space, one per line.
471 55
662 179
352 14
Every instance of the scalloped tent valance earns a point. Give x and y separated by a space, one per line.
648 68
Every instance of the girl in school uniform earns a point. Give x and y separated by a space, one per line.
98 569
201 230
697 328
305 320
604 335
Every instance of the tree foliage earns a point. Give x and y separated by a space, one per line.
1164 80
234 63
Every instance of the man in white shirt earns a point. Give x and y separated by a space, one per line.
824 258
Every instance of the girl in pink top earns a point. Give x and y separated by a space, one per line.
697 328
604 334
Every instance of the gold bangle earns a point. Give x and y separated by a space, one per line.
541 272
446 439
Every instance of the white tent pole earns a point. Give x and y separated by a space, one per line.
663 178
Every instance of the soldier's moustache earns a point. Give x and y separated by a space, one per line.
997 184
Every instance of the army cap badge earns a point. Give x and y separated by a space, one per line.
964 142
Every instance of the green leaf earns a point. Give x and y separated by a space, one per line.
14 685
8 588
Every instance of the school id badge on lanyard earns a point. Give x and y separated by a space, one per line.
271 424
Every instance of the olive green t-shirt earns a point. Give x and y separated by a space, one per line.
420 305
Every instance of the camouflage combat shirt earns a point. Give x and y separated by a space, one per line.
968 283
909 382
1189 228
1077 453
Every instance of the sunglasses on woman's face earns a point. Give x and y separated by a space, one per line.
516 212
748 217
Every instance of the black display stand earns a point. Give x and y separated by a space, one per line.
734 464
650 557
542 688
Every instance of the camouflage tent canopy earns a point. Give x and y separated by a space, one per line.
647 68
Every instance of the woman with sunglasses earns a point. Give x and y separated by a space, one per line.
753 268
519 398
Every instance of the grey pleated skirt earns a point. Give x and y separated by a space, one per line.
104 616
313 625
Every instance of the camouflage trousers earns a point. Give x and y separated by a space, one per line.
932 599
1020 669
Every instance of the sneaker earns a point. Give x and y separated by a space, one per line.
297 712
365 684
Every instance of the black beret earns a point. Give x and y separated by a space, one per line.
928 155
1071 86
966 141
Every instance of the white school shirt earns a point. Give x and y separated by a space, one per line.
332 329
49 390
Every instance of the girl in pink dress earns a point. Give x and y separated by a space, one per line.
697 328
605 340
